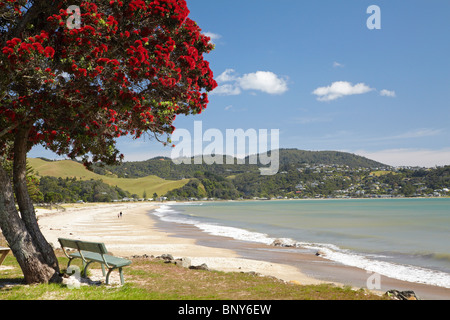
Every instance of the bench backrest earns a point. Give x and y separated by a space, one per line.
83 245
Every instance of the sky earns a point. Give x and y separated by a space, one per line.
329 75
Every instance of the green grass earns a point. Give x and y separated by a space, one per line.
382 173
152 279
70 169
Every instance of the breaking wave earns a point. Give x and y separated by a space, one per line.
369 262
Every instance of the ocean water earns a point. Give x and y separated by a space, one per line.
405 239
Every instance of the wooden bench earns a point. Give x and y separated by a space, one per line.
3 253
91 252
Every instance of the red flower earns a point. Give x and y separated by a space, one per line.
49 52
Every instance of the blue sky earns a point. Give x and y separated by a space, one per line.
316 72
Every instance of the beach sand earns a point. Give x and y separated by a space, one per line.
137 233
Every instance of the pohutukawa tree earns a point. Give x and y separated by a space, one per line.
130 68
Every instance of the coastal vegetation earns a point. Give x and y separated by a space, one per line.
302 174
131 186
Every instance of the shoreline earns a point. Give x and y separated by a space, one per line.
136 234
315 267
100 222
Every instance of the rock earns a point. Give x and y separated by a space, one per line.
184 262
145 256
75 282
166 257
280 243
320 253
277 243
201 267
253 273
402 295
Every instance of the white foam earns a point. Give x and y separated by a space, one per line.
165 213
389 269
328 251
235 233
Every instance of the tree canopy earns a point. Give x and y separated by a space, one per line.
129 69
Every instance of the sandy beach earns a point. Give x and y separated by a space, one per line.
137 233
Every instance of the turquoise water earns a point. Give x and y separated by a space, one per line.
408 239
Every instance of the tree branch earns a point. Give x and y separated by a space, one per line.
5 131
38 7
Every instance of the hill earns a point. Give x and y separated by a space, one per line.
302 174
71 169
166 169
295 156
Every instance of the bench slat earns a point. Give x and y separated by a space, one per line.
92 247
114 262
68 243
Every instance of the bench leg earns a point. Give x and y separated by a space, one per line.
122 281
3 256
70 261
107 276
86 267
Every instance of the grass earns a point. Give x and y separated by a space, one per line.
382 173
71 169
152 279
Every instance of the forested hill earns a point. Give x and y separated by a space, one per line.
166 169
295 156
301 174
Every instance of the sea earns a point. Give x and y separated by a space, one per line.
405 239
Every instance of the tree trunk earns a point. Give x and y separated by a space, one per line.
30 259
33 253
26 207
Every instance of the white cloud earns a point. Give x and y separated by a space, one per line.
228 107
213 36
387 93
409 157
337 64
227 90
264 81
340 89
419 133
227 76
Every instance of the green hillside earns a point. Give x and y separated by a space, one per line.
166 169
71 169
